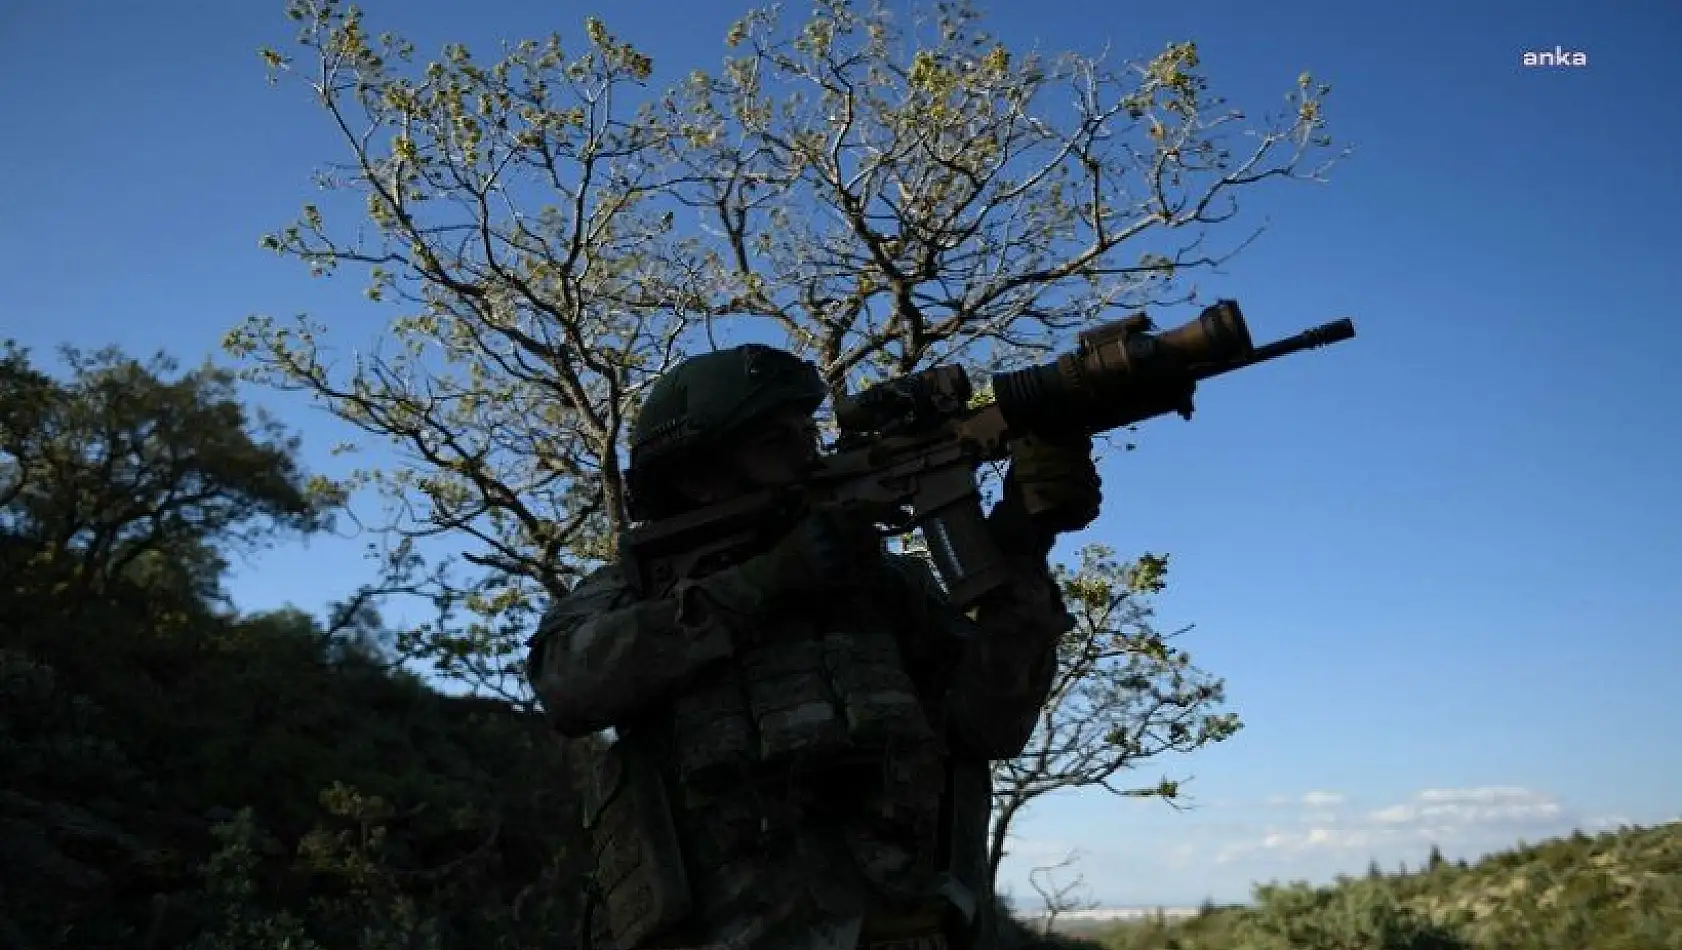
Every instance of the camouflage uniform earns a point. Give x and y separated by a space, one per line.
797 774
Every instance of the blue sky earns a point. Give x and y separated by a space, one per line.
1437 565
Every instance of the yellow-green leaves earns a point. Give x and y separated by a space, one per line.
552 236
275 62
1147 575
596 31
815 37
928 76
619 57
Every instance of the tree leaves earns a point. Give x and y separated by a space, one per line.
120 469
551 233
1124 696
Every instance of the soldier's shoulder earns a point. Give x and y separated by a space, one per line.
608 577
602 589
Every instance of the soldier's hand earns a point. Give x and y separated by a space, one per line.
1055 483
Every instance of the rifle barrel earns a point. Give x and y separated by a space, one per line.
1324 335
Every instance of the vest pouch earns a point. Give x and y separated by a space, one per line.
713 735
793 709
877 697
639 871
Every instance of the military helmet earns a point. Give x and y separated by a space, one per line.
708 398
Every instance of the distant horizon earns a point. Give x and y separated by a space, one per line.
1107 909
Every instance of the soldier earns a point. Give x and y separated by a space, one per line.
802 738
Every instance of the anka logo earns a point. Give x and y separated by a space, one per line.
1558 56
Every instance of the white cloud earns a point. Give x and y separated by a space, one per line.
1314 799
1458 807
1457 819
1481 794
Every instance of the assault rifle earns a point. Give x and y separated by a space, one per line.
914 443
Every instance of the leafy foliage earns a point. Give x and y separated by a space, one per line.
557 230
1613 891
175 774
1124 695
882 192
117 473
556 233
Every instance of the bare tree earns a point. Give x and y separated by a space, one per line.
552 232
1123 696
1059 898
515 220
892 194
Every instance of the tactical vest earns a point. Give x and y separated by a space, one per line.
821 719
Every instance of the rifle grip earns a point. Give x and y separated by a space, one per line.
968 559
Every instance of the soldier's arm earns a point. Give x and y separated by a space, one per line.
601 656
1005 657
1007 670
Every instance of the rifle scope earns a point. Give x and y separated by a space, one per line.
1120 373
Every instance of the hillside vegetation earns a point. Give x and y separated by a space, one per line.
174 773
1614 891
177 773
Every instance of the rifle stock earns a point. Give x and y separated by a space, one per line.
914 443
